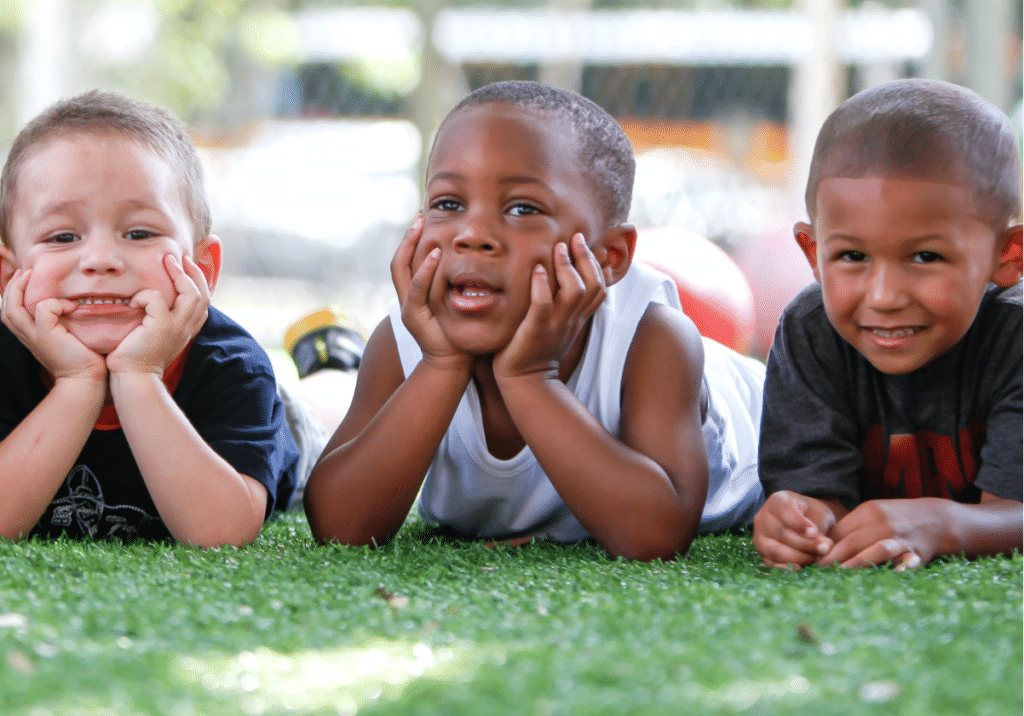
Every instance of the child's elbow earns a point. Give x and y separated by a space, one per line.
329 528
645 548
224 536
347 535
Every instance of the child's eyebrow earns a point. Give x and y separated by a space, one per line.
511 179
61 206
58 207
911 240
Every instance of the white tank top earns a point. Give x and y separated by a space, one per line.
479 495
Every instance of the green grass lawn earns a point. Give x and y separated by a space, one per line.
428 627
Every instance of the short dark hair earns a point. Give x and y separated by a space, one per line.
605 153
923 129
103 112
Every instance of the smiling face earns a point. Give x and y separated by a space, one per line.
903 264
93 216
504 185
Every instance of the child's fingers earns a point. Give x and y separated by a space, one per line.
570 286
401 264
589 271
791 511
908 560
189 276
541 297
418 289
880 552
193 293
13 307
151 301
48 313
770 530
778 554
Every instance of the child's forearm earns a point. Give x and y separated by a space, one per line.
38 454
991 527
368 477
201 498
624 499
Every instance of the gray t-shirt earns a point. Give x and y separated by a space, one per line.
834 426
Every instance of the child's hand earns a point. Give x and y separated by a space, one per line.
413 288
792 530
902 532
59 352
556 316
165 332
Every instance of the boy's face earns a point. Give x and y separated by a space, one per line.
504 185
903 264
93 216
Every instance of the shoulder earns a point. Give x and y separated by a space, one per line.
1002 304
806 308
380 374
221 355
991 353
996 330
805 333
221 338
381 354
666 342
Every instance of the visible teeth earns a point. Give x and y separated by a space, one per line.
96 301
474 292
894 332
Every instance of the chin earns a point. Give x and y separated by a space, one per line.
103 342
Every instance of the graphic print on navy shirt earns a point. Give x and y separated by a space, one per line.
83 509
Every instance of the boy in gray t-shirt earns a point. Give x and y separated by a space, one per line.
891 428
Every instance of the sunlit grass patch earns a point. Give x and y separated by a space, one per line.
343 679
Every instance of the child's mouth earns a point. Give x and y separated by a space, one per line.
473 296
893 333
98 301
474 291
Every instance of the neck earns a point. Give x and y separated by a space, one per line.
500 431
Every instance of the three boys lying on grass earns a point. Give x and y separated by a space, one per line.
532 380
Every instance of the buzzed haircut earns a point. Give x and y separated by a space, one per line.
101 112
923 129
605 154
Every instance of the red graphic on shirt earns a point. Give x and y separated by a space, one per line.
923 464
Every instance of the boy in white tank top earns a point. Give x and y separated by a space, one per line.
530 379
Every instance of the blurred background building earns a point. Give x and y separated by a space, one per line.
312 115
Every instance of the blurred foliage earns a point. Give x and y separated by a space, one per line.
187 67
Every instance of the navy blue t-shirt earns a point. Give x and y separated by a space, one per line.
228 392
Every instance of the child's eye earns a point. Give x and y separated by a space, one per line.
523 210
852 256
139 234
926 257
64 238
446 205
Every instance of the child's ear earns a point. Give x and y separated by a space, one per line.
614 252
207 256
804 234
8 265
1009 269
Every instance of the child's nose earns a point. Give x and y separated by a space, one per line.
476 234
886 289
100 255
